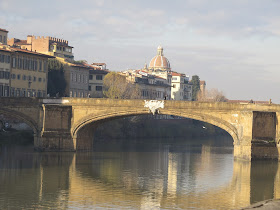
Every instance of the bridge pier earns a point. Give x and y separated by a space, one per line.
261 140
56 129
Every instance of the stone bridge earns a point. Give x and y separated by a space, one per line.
68 124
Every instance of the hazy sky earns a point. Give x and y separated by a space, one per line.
232 44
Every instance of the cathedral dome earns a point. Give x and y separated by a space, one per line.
159 61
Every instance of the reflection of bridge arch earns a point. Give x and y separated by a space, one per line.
95 119
19 115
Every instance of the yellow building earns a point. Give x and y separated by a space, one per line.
5 69
29 73
23 73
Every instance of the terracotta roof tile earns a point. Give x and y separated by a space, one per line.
176 74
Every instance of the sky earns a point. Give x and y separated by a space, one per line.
234 45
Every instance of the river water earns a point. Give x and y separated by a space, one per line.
134 176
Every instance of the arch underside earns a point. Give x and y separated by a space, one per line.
187 114
30 122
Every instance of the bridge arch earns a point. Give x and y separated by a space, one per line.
229 128
26 119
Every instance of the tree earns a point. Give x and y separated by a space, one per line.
80 62
116 86
56 79
212 95
195 87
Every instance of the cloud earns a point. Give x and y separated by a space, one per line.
225 42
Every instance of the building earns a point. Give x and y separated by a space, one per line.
160 62
181 88
23 73
46 45
101 66
29 73
76 77
5 71
151 86
3 36
96 79
202 87
160 66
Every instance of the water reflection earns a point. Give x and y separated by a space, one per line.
201 177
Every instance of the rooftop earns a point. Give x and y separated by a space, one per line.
4 30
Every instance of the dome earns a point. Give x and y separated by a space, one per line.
159 61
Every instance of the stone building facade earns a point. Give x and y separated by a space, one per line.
29 73
96 78
46 45
5 71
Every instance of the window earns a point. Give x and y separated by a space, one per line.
45 66
20 63
29 64
36 65
2 58
18 76
174 78
98 88
2 75
29 78
90 77
39 79
0 38
40 65
7 75
7 59
14 62
89 88
24 77
79 78
34 79
174 86
5 41
99 77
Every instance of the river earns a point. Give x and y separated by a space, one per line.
155 175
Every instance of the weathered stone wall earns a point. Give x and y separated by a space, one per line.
56 129
264 126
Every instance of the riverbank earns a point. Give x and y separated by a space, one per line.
272 204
